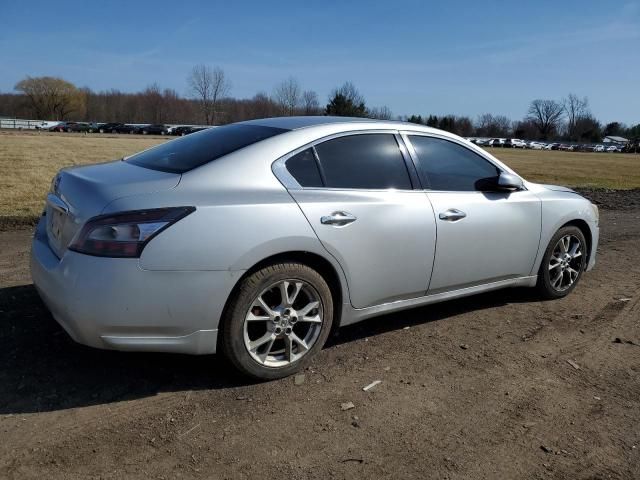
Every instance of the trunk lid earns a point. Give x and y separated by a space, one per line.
80 193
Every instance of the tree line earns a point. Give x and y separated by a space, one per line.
567 119
208 101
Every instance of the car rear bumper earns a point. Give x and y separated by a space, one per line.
113 303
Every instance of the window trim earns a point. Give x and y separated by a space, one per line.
279 167
414 156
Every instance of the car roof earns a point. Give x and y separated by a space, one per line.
299 132
306 129
297 123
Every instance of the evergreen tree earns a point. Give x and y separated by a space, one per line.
432 121
342 106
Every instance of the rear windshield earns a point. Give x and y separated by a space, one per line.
186 153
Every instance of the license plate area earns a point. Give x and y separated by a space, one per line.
56 224
56 221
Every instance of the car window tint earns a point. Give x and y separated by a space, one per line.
186 153
445 165
304 168
370 161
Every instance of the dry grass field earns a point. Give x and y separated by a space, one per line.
28 162
617 171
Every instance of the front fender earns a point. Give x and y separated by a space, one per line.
560 208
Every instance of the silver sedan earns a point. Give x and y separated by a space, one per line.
258 238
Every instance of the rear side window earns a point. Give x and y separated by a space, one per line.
369 161
304 168
444 165
186 153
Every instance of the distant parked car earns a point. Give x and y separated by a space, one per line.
496 142
116 128
81 127
109 127
631 147
125 128
46 125
514 143
599 148
181 131
613 149
535 145
58 127
155 129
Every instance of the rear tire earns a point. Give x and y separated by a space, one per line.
267 336
563 263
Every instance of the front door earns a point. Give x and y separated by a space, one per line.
496 239
483 235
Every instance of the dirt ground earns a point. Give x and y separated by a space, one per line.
495 386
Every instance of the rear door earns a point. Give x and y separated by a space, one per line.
483 235
356 192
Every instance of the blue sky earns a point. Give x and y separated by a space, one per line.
461 57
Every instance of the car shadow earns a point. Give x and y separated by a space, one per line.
42 369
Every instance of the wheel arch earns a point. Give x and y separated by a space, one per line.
586 231
328 271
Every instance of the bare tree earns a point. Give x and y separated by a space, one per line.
287 96
489 125
208 85
525 129
575 108
152 104
546 115
381 113
463 126
310 102
263 106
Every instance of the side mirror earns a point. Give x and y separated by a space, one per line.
508 181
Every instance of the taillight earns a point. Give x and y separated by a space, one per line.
125 234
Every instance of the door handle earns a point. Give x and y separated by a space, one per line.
452 215
338 219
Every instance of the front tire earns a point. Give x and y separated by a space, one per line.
277 321
563 263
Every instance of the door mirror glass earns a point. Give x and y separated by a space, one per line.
509 181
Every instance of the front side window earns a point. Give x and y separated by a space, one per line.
445 165
191 151
367 161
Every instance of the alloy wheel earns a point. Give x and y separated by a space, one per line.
283 323
565 263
